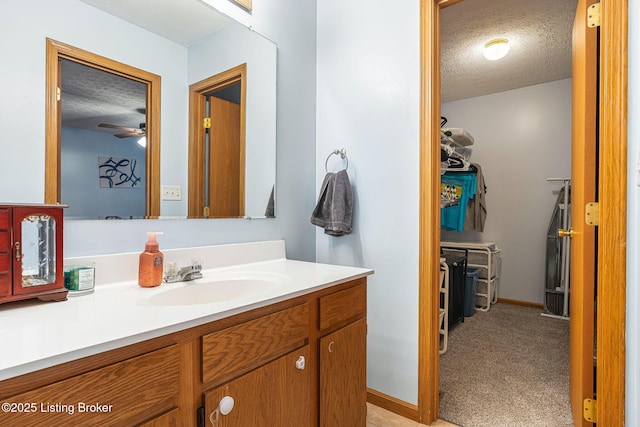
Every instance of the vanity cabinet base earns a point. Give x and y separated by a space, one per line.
299 362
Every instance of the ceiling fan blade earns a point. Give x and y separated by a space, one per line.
129 134
106 125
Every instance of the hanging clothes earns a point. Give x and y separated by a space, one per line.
477 208
461 187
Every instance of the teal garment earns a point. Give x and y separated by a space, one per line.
452 217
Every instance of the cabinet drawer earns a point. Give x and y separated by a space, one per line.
342 306
5 219
5 262
238 349
169 419
5 241
126 393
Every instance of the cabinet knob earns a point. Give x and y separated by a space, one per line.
331 346
18 253
300 363
224 407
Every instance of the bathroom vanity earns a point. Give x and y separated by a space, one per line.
292 354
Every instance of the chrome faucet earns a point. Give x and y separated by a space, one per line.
190 272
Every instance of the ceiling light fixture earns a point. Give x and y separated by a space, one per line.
496 49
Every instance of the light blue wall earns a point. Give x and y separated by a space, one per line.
633 231
289 23
80 180
368 103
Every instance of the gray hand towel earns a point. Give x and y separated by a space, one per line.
334 209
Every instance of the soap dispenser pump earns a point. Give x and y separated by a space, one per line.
151 262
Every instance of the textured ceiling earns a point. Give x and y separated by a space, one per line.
187 22
91 96
539 33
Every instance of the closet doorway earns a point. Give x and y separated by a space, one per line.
611 231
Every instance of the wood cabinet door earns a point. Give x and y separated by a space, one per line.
343 376
276 394
38 260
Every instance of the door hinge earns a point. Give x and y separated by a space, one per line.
590 414
200 416
593 15
206 211
206 123
592 214
58 94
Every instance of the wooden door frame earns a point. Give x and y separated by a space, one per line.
55 51
197 99
612 199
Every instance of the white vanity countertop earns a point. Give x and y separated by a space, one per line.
37 335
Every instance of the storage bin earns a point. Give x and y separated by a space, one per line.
471 291
457 266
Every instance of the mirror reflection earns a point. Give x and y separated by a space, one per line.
103 161
38 250
233 77
103 144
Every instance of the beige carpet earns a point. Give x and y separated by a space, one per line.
507 367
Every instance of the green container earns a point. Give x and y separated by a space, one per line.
79 279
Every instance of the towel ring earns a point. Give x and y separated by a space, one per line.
343 154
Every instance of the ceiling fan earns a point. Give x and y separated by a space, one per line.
129 132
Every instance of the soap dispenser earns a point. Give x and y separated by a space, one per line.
151 262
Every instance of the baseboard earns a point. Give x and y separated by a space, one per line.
392 404
521 303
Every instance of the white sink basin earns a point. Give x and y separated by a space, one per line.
215 291
217 288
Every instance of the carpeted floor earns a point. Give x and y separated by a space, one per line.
507 367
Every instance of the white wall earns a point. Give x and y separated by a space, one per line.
288 23
633 231
368 102
522 136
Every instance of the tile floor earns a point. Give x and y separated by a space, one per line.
378 417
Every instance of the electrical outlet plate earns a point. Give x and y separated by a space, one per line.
171 192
